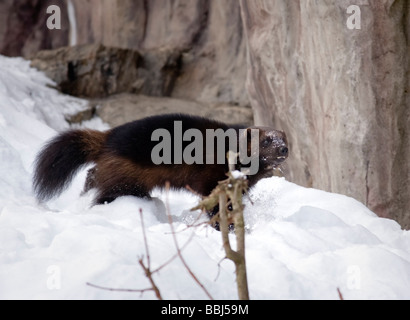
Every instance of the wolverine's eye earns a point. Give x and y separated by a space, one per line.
266 142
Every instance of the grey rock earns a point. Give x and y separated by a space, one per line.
341 95
89 70
122 108
23 27
204 37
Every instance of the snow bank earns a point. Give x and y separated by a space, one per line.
302 244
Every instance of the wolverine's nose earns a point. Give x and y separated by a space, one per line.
283 151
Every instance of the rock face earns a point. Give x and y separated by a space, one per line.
117 109
95 71
341 95
208 34
195 56
90 70
205 35
125 84
23 27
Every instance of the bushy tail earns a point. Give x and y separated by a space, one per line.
62 157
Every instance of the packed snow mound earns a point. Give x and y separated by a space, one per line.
301 243
28 91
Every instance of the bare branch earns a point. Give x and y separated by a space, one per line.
229 192
119 290
224 226
148 274
167 187
147 269
175 255
340 294
145 239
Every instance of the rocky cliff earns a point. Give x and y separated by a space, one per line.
23 27
207 35
341 94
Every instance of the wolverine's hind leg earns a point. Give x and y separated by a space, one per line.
114 177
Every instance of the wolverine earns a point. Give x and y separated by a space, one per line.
123 161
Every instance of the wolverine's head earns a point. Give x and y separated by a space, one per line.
271 147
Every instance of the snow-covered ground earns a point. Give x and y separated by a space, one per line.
303 243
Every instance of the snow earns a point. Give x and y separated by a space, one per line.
238 174
302 243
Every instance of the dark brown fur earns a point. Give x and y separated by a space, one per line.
123 165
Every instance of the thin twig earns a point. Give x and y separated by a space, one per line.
167 187
147 269
193 225
148 274
219 268
175 255
119 290
145 239
340 294
188 187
